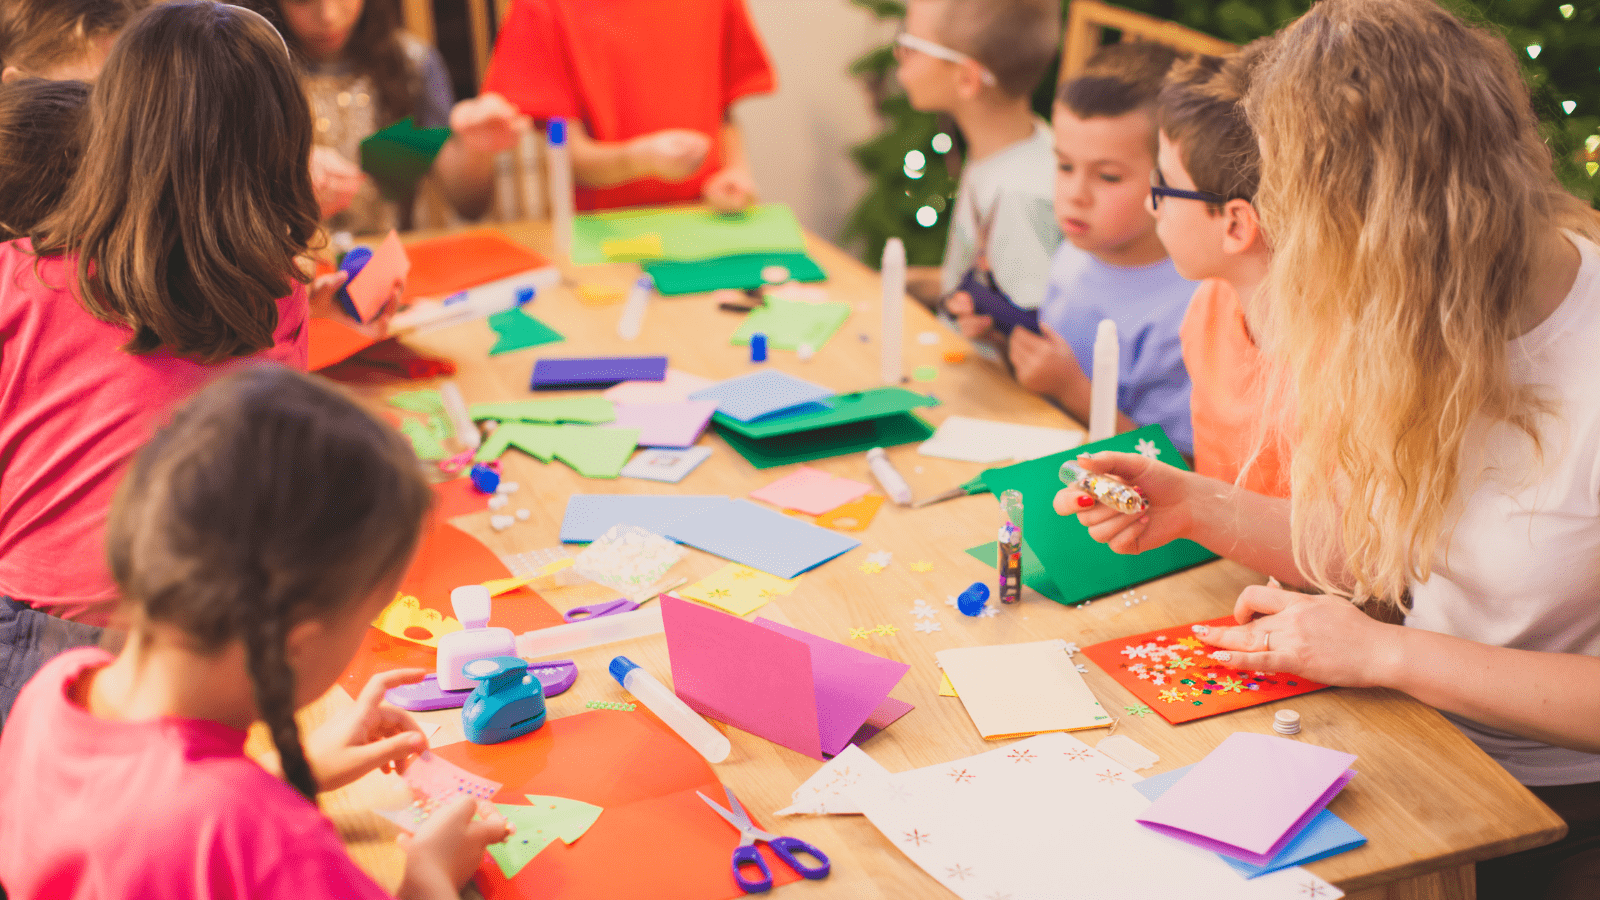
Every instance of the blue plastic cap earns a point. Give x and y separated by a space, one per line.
621 666
758 347
557 131
525 294
484 479
971 601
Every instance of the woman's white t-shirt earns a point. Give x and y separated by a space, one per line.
1521 567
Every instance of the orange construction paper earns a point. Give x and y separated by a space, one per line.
374 284
330 342
853 516
655 839
444 265
457 497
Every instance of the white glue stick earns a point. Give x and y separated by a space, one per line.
888 477
1103 385
893 274
711 743
560 163
632 320
456 407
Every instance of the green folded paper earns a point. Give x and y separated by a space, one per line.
789 324
822 443
518 331
1082 567
398 156
840 409
743 270
690 233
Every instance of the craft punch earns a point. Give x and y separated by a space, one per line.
508 701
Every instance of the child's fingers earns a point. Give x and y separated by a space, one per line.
372 692
387 752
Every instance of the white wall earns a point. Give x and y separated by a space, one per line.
798 138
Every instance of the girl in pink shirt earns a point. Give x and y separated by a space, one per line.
253 540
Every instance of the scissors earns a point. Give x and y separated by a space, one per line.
596 610
746 853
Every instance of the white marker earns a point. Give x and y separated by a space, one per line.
455 406
1103 386
560 186
893 274
633 311
888 476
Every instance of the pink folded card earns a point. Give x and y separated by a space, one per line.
1249 797
789 686
673 425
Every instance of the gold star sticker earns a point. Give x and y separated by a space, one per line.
922 567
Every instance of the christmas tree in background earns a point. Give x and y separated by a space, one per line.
913 165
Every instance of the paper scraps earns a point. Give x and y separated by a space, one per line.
373 285
811 491
789 324
826 793
580 410
854 516
435 781
519 331
630 560
928 626
424 442
1127 751
538 825
738 589
665 465
675 387
408 619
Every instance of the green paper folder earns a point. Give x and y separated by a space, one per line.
739 271
788 324
1082 567
688 233
822 443
398 156
1033 573
840 409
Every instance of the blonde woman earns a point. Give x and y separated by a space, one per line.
1434 314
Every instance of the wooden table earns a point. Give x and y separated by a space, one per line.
1429 802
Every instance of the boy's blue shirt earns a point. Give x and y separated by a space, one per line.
1148 304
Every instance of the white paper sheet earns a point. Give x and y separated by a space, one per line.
987 441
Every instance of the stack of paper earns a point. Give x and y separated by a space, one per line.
760 394
830 426
988 441
684 233
595 372
1012 690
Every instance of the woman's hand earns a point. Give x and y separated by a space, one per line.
488 124
1168 514
367 736
1318 636
449 847
334 180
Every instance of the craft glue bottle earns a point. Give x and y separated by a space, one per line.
560 187
893 275
711 743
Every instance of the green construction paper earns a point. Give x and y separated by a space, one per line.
1082 567
535 440
587 410
591 451
840 409
743 270
1033 573
689 233
538 826
429 403
840 440
398 156
788 323
423 441
519 331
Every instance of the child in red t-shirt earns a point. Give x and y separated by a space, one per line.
646 86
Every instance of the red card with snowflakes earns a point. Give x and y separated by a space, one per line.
1172 672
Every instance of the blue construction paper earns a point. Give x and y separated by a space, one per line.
763 393
596 371
591 515
1324 836
760 538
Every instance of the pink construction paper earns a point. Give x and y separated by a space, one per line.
811 491
674 388
675 425
1250 796
371 289
791 687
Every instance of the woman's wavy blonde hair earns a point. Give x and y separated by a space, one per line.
1406 195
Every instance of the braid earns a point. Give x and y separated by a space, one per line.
273 681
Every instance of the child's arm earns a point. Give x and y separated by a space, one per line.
448 848
671 155
482 128
732 188
1044 364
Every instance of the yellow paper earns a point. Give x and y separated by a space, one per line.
738 589
1012 690
632 249
407 619
853 516
946 689
599 294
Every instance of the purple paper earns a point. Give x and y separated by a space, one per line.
574 373
674 425
851 684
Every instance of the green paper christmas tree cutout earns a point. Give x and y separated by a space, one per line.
538 825
519 331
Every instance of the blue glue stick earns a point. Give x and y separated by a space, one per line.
973 598
351 265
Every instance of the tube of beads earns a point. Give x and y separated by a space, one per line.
1113 492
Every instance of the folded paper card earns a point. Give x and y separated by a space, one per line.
761 394
986 441
669 466
1324 836
580 373
1251 796
675 387
789 324
833 411
375 283
811 491
585 410
738 271
398 156
791 687
1013 690
674 425
588 516
1171 671
738 589
687 233
824 443
761 538
1081 566
442 266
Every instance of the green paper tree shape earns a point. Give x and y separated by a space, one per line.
518 331
538 825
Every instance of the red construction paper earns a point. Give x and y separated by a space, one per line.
329 342
444 265
457 497
373 285
1172 672
655 838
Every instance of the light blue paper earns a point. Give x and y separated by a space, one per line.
589 516
762 394
1324 836
760 538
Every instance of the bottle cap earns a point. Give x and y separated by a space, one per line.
621 666
484 479
971 600
1286 721
556 131
758 347
525 294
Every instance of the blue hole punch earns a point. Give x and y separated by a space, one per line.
508 701
351 265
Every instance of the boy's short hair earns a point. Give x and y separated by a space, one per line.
36 34
1201 110
40 145
1014 39
1118 79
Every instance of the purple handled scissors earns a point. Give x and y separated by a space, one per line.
746 853
596 610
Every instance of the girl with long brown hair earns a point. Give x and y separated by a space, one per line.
1433 309
253 539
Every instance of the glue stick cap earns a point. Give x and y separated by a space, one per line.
621 666
525 294
758 347
972 599
557 131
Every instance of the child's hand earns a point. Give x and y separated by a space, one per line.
730 190
973 326
670 155
368 735
334 180
1323 638
488 124
325 305
1168 515
449 847
1045 364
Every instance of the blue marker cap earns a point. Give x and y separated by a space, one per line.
621 666
556 131
758 347
972 599
525 294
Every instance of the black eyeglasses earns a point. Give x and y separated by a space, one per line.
1159 189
